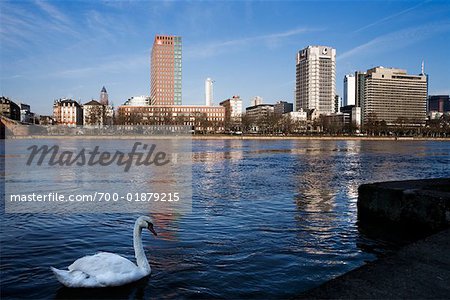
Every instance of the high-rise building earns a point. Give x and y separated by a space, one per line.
316 79
209 91
166 70
233 112
337 103
349 90
359 87
393 96
257 100
104 97
439 103
282 107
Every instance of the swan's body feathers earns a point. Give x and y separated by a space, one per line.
103 262
100 270
75 278
108 269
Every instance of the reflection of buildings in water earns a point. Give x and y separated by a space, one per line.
314 190
316 222
315 176
222 150
316 196
351 169
220 161
63 177
166 225
218 171
352 190
382 158
328 180
339 169
208 158
211 165
178 152
353 145
169 178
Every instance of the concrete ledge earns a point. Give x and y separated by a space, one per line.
418 271
422 205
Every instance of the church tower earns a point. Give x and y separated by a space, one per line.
104 97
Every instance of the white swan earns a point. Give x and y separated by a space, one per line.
108 269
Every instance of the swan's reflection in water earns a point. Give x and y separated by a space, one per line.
135 290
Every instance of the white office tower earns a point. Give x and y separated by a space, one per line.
349 90
257 100
316 79
209 90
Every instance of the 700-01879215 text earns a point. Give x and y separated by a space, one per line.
96 197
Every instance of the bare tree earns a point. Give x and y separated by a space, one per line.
134 118
286 124
201 122
95 115
246 122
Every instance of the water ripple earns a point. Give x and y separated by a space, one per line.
269 220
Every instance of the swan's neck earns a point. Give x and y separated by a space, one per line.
139 253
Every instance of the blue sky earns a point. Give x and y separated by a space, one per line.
50 50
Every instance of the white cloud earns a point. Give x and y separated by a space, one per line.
24 29
224 46
380 21
52 11
396 40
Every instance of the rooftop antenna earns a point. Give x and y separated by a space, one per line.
423 67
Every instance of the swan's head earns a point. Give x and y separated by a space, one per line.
146 222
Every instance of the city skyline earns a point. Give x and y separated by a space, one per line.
71 49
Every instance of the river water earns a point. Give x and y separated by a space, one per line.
270 219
